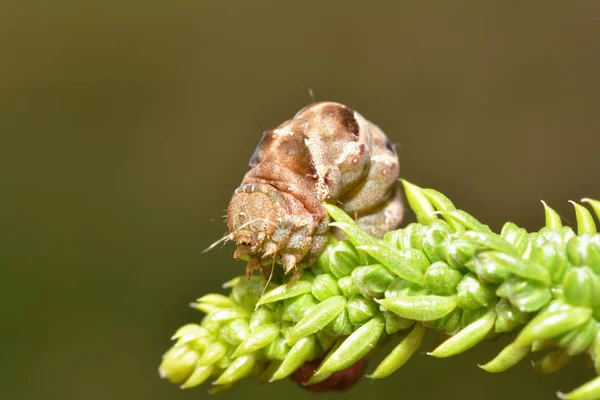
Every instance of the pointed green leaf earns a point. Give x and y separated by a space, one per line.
473 294
361 309
550 324
420 308
198 377
319 316
419 203
507 358
582 287
521 267
585 221
355 347
178 363
401 353
325 286
442 280
467 337
465 219
284 292
552 218
212 354
488 241
258 339
383 252
595 205
588 391
239 368
301 352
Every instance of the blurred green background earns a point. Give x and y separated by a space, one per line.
126 126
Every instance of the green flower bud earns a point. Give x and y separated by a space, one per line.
420 308
560 236
507 358
278 349
301 352
361 309
213 353
485 266
442 280
508 317
285 292
449 324
395 323
341 325
235 332
467 337
585 250
473 294
457 252
325 286
517 237
326 338
527 296
296 308
552 257
178 364
239 368
260 317
190 332
348 286
247 292
372 280
582 287
355 347
317 317
401 353
343 259
399 288
406 238
260 337
433 236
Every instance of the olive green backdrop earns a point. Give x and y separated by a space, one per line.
126 126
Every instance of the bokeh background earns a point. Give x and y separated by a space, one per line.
126 126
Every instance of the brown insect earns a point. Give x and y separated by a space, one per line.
326 153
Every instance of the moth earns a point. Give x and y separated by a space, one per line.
326 153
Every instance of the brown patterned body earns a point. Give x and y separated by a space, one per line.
326 153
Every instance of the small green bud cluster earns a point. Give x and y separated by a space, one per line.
448 272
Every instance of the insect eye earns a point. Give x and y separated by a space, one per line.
390 146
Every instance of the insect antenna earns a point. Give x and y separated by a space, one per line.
231 235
